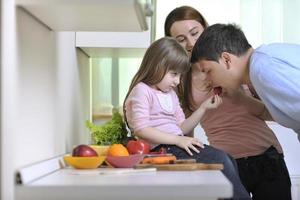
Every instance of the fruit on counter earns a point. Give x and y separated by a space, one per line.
162 150
138 147
117 150
125 161
100 149
83 150
84 162
159 160
217 90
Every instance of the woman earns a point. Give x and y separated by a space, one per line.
237 126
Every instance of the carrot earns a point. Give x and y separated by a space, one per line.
159 160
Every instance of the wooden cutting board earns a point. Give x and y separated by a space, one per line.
182 167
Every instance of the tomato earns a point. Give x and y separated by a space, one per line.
138 147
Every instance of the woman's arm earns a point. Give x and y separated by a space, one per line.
156 136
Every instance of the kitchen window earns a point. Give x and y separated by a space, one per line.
111 77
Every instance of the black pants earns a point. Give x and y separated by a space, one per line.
266 176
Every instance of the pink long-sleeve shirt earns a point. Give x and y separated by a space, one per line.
149 107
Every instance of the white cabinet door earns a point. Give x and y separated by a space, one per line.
113 39
90 15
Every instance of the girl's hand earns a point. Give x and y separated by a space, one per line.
189 143
212 102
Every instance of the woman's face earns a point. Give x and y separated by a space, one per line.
186 32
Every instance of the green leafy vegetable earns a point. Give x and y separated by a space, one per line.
112 132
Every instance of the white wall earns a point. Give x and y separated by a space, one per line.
8 110
0 99
36 88
44 94
291 147
73 91
291 14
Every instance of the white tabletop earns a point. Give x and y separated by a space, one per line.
126 184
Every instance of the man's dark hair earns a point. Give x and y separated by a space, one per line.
219 38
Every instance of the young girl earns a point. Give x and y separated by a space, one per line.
153 112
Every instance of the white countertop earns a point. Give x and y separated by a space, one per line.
70 184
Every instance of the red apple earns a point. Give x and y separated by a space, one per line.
218 90
84 151
138 147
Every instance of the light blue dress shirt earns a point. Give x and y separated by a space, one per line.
275 75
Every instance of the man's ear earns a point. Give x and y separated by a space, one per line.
226 59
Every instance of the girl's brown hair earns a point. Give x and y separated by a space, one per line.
162 56
184 89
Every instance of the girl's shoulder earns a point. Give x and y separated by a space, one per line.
141 89
142 85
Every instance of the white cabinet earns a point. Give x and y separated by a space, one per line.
90 15
101 44
97 23
113 39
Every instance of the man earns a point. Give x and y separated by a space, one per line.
224 54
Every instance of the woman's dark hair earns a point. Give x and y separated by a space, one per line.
183 13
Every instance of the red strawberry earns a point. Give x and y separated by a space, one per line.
217 90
